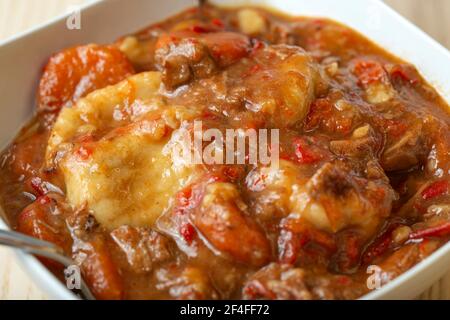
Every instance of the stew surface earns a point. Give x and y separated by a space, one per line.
363 176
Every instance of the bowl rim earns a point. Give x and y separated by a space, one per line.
38 273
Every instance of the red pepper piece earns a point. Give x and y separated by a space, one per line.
256 290
378 249
83 153
404 73
218 23
436 189
436 231
252 70
199 29
305 152
369 71
380 245
188 233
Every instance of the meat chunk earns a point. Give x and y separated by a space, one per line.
335 198
143 247
408 151
284 282
284 85
273 86
186 283
28 155
188 59
333 115
186 55
363 143
277 282
271 188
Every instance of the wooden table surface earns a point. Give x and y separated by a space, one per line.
19 15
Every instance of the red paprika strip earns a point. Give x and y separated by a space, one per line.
437 231
436 189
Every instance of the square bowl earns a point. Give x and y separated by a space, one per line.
22 57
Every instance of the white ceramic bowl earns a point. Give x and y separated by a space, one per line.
22 57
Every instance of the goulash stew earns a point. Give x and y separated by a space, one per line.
362 178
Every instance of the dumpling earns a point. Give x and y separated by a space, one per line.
110 149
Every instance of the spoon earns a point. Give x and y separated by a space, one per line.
43 249
201 6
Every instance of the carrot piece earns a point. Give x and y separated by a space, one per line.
29 155
38 221
75 72
100 272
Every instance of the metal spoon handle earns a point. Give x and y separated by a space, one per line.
201 6
43 249
34 246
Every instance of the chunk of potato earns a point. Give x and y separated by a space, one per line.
251 21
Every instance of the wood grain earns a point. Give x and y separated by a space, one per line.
19 15
432 16
14 282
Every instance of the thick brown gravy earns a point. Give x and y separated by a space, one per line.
363 177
